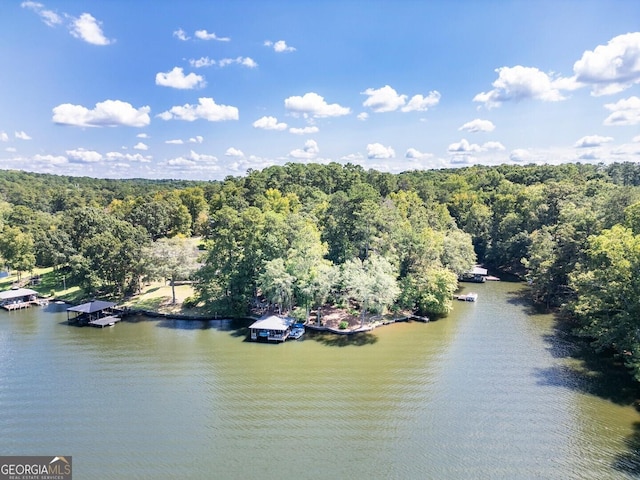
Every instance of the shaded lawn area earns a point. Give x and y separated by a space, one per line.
52 284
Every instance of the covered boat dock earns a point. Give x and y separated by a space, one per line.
475 275
271 328
97 313
18 298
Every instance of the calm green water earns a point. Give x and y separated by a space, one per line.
489 392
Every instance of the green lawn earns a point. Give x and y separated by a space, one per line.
52 284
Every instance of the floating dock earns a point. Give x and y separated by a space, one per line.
468 297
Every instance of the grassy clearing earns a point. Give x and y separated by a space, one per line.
52 284
158 297
155 297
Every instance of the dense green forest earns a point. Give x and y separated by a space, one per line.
301 236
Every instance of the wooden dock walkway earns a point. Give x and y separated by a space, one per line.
16 306
41 302
109 321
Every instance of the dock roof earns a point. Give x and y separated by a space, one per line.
92 307
272 322
17 293
478 271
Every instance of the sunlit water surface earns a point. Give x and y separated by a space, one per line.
491 391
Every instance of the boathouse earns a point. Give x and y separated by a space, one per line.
96 313
17 298
475 275
271 328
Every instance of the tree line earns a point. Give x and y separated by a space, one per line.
301 236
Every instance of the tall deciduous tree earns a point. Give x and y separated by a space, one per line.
372 283
607 286
429 290
111 259
17 250
172 259
195 202
277 284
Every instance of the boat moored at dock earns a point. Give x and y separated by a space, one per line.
297 331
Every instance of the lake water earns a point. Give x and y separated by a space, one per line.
492 391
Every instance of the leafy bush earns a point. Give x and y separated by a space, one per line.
300 314
343 325
190 302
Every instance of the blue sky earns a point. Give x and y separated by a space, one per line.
205 89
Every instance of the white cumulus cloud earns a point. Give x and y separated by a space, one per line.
379 151
624 112
279 46
201 161
247 62
520 155
180 34
314 105
269 123
129 157
420 103
196 139
611 68
180 162
416 154
202 62
175 141
110 113
520 83
84 156
234 152
49 17
464 147
209 62
206 109
478 125
177 79
353 158
384 99
244 61
141 146
204 35
590 141
51 159
22 135
309 151
4 137
493 146
363 116
87 28
304 131
628 150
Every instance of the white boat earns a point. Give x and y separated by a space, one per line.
297 331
